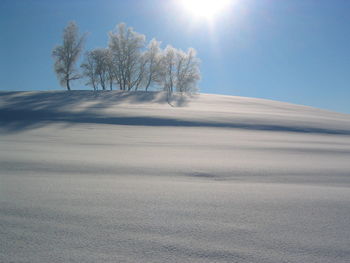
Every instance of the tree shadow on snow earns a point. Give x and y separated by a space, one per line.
52 100
20 111
13 120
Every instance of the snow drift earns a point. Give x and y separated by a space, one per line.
129 177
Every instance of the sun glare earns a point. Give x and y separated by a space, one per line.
207 9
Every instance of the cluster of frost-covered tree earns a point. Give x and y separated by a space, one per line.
127 64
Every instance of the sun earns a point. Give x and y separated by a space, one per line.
207 9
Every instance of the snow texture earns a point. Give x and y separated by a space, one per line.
126 177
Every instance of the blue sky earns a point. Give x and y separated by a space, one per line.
290 50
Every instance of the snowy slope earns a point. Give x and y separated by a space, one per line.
126 177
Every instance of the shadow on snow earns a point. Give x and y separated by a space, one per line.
18 120
29 110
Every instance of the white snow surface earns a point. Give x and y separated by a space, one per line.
126 177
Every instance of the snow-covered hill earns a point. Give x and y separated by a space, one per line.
127 177
152 109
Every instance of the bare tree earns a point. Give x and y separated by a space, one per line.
97 68
188 73
125 45
100 57
67 55
153 62
167 73
108 60
139 73
89 67
179 71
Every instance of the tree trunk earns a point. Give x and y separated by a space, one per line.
102 81
148 83
67 83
